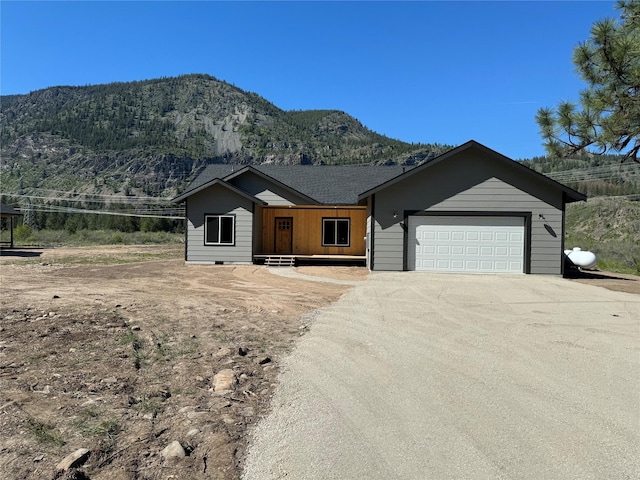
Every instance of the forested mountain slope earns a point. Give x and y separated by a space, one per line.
150 137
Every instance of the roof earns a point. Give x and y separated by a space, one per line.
571 194
8 210
341 184
218 181
322 184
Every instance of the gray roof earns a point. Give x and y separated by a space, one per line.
327 184
8 210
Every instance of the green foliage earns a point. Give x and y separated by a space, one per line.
52 238
44 432
609 117
593 175
152 137
610 228
90 422
23 234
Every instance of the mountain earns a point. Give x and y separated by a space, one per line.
151 137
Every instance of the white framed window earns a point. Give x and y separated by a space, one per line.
219 229
336 232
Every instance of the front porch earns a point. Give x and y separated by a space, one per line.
277 260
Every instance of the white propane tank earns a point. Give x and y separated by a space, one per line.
580 258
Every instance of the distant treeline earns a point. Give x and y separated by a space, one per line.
54 216
593 175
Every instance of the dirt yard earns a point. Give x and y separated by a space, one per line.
124 350
116 350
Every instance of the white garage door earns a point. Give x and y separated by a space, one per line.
466 244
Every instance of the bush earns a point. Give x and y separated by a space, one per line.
23 233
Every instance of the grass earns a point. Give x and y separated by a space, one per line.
610 228
102 260
89 423
44 432
24 236
167 349
137 345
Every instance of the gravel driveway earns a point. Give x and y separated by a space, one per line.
425 376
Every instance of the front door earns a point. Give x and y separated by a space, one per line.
284 234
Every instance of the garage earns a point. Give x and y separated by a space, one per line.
473 244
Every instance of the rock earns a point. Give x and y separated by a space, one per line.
73 460
173 450
224 380
193 432
38 458
223 352
135 328
248 412
109 380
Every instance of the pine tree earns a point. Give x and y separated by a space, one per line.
609 117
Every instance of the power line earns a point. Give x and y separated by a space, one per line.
58 209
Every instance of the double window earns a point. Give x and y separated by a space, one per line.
335 232
219 229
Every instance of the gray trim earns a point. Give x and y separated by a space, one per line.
249 168
221 182
372 240
571 194
562 244
186 229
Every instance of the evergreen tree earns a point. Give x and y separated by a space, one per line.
609 117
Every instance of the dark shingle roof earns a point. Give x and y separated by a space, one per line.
327 184
8 210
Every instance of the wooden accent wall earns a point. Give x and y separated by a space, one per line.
307 229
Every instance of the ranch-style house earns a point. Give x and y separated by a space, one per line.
470 209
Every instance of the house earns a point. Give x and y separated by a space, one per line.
470 209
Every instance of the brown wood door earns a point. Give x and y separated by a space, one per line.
284 234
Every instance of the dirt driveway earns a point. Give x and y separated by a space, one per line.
419 376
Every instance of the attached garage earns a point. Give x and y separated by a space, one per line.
472 244
468 210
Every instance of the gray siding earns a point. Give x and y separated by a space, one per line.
471 183
368 232
266 191
218 200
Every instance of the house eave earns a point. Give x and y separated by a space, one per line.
223 183
571 195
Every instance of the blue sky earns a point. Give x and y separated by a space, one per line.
443 72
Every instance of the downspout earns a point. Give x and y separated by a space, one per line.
372 233
564 210
186 228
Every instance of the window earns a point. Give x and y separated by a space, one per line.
335 232
219 229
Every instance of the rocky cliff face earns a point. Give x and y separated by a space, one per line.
152 137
